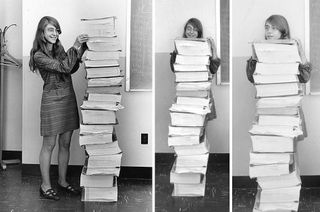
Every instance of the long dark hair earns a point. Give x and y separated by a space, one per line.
195 23
281 24
39 43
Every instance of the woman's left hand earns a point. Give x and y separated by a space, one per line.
80 40
83 38
213 47
301 51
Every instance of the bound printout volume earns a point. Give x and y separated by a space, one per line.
100 104
277 126
188 114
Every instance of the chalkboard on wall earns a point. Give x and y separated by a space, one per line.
224 38
315 46
139 46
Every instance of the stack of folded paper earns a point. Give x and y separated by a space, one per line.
102 100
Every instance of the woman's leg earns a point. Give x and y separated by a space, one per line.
45 160
63 156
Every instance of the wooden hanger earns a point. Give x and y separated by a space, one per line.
6 58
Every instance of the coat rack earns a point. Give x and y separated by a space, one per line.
6 59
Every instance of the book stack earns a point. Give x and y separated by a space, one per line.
102 100
187 134
278 125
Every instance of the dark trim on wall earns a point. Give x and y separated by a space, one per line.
164 158
308 181
213 157
10 155
219 157
243 182
75 170
136 172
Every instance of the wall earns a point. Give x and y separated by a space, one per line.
10 12
134 119
170 17
248 25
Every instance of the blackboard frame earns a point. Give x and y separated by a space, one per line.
219 78
128 78
315 77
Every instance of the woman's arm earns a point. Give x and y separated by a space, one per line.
305 66
251 67
214 64
65 65
214 60
173 56
81 51
305 72
76 66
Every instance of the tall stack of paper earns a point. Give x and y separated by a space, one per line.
277 127
188 117
102 100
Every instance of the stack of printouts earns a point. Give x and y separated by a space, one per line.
102 100
193 101
278 125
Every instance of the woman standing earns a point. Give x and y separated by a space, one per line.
193 29
59 112
277 28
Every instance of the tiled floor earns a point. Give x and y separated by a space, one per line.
217 189
21 193
243 199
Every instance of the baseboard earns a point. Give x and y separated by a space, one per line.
10 155
136 172
164 158
75 170
308 181
243 182
213 158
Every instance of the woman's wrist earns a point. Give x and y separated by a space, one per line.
77 47
304 59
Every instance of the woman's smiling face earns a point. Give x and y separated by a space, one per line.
51 34
191 31
271 32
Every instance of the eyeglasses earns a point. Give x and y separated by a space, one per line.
191 28
53 29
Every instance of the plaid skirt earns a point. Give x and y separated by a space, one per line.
59 111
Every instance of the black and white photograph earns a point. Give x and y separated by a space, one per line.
159 105
191 106
275 48
76 128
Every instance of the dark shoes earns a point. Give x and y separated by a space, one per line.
70 189
49 194
52 194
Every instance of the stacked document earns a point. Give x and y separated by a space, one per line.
101 102
277 127
188 115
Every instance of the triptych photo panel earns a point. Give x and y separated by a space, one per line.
159 105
